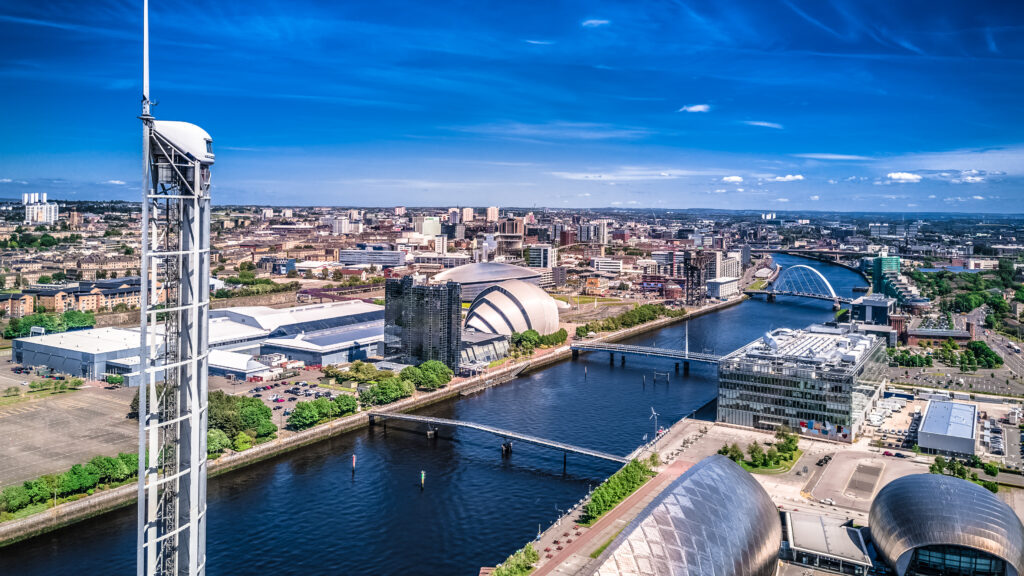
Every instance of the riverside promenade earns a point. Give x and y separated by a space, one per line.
103 501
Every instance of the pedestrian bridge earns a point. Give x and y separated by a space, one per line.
432 421
804 282
649 351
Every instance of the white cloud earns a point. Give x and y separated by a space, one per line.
617 203
736 179
585 194
633 202
593 23
539 42
740 190
5 180
115 182
634 174
833 181
782 199
978 197
815 198
720 191
696 108
931 196
829 156
904 177
763 124
789 178
557 131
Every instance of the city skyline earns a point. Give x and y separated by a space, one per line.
782 106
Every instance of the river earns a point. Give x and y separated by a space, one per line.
306 512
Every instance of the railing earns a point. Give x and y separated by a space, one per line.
433 421
647 351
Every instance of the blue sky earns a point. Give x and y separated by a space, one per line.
848 105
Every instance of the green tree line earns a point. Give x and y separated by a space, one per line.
615 489
80 479
642 314
21 327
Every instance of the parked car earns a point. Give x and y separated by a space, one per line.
279 400
900 455
278 407
886 453
257 395
292 399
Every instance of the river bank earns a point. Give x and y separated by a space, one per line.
97 504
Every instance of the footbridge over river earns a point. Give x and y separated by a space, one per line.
433 422
805 282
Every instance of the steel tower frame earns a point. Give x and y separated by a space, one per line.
175 290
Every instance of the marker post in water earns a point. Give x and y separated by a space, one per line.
423 478
353 463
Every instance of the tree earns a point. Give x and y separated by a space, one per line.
115 379
756 454
303 416
44 280
12 391
346 404
735 453
242 442
216 441
991 469
773 456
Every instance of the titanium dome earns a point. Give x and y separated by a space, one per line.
930 510
714 520
477 277
513 306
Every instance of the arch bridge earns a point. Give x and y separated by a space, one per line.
805 282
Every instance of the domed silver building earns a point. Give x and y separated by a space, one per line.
927 524
513 306
477 277
714 520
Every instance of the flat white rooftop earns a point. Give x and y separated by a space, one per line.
950 419
92 341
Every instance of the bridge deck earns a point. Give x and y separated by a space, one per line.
647 351
503 433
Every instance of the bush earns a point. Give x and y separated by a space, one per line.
115 380
242 442
216 441
642 314
991 469
615 489
308 414
520 563
386 392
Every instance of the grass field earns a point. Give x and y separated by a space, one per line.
757 285
783 466
583 300
25 396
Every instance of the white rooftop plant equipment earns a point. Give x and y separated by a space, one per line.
175 270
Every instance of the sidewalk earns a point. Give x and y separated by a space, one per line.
577 543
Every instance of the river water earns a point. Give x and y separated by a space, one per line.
306 512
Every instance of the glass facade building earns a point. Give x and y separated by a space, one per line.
931 525
422 322
820 381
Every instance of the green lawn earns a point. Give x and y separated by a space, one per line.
782 468
757 285
25 396
584 300
601 548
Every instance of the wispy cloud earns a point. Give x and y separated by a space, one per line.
815 198
696 108
115 182
977 197
812 20
782 199
788 178
5 180
594 23
829 156
632 174
558 131
733 179
539 42
903 177
763 124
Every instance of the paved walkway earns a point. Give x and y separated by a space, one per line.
576 549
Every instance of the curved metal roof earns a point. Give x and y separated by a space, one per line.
485 272
190 138
714 520
513 306
929 509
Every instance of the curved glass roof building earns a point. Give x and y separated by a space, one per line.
714 520
927 524
477 277
513 306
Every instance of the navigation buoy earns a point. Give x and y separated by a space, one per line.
423 478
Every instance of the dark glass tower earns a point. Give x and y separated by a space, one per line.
422 322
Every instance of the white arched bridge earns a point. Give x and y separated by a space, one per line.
802 281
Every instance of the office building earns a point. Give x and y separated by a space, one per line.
541 256
723 288
821 381
883 266
422 322
38 211
610 265
454 216
873 309
378 258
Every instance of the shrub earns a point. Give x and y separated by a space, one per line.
242 442
216 441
